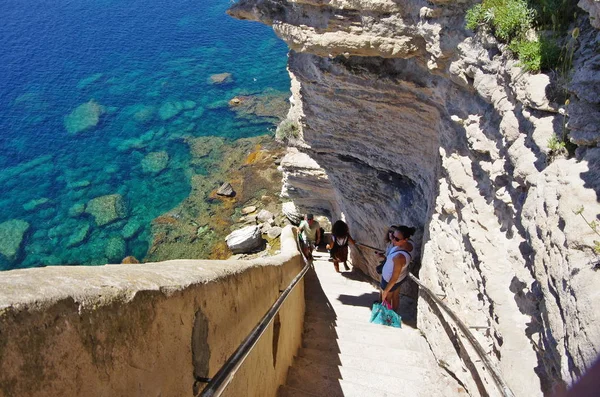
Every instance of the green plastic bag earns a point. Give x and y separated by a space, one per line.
382 313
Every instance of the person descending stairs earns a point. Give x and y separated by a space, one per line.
343 354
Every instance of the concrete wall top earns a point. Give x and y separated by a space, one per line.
92 284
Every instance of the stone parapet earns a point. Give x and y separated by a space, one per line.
147 329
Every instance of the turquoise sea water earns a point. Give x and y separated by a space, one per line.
142 69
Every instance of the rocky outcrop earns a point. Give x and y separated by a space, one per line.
307 184
221 78
264 216
226 190
593 7
406 117
244 240
584 110
291 212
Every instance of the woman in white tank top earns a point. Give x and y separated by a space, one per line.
395 269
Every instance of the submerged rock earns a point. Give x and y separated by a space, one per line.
169 110
188 105
12 234
86 116
140 142
115 249
221 78
226 190
83 83
79 184
273 105
79 236
131 229
76 210
244 240
107 209
63 229
155 162
33 204
142 113
195 113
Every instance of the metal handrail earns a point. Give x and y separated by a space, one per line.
224 376
504 388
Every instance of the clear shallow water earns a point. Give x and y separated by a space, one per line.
130 58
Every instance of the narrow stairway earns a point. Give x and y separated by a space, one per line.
343 354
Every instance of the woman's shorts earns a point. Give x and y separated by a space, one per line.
384 284
311 245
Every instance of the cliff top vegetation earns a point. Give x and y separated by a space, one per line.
536 31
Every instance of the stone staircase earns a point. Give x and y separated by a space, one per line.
343 354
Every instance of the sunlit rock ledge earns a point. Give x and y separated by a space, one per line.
415 120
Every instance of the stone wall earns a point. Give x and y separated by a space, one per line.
146 329
415 120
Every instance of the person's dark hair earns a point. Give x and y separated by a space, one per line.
339 229
406 231
391 229
309 217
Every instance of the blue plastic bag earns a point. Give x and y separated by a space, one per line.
381 313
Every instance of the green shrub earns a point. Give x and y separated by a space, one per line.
554 15
474 17
536 55
554 144
507 19
287 129
510 21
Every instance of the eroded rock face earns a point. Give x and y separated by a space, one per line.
405 117
306 183
584 110
593 7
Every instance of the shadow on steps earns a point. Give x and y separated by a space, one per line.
315 371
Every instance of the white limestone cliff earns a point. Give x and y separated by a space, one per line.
414 120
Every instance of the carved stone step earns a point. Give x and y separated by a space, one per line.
360 340
396 356
354 383
348 365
